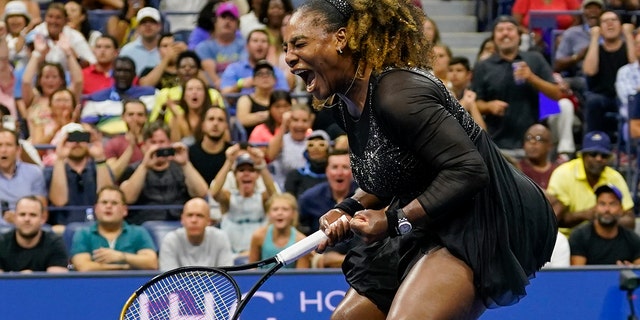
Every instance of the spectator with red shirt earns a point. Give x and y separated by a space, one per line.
98 76
537 147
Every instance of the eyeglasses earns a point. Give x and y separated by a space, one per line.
595 154
535 138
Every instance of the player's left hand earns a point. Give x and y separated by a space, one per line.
370 225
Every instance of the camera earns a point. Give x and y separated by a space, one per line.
629 280
165 152
78 136
243 145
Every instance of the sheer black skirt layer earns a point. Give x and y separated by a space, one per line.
505 234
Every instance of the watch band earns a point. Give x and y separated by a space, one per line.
392 223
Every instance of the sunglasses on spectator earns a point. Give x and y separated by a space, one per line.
595 154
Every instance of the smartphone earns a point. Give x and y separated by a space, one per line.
78 136
165 152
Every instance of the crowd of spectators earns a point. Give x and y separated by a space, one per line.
134 125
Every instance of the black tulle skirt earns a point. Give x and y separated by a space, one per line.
505 234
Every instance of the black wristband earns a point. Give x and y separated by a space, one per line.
392 223
100 162
350 206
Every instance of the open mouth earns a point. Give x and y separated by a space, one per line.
308 77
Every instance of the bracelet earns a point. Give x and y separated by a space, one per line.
100 162
350 206
240 83
260 167
392 223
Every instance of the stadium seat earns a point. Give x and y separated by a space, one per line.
182 35
159 229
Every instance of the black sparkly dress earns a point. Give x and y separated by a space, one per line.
413 140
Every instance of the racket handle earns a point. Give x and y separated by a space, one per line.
303 246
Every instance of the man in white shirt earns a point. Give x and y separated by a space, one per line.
196 243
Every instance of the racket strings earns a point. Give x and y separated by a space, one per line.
185 296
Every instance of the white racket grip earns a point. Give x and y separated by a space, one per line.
303 246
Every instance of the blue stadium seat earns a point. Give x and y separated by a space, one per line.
70 230
159 229
98 19
5 228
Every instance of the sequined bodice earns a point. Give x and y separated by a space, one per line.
377 154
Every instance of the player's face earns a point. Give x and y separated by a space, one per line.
312 54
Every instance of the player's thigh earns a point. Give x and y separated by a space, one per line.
439 286
355 306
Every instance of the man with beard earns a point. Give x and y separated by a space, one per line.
508 85
238 76
603 240
123 150
28 248
208 153
571 185
80 170
104 108
320 198
111 243
165 176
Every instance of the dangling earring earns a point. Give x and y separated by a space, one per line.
339 50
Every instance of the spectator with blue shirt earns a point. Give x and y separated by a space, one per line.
111 243
17 178
319 199
144 49
238 76
225 46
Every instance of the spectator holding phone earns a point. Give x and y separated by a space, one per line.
165 176
123 150
79 171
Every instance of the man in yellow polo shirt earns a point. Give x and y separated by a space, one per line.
572 184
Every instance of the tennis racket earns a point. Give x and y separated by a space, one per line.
206 293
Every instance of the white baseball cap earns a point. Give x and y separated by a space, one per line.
148 12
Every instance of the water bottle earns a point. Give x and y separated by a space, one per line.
89 214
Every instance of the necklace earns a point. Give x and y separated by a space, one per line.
353 80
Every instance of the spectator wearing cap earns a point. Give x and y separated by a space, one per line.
572 184
573 46
17 18
79 171
252 108
287 146
243 209
318 145
59 35
603 240
123 26
239 76
28 8
144 49
225 45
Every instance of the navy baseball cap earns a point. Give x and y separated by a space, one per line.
609 188
596 141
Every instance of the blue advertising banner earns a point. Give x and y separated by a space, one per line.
574 293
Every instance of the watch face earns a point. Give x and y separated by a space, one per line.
404 227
